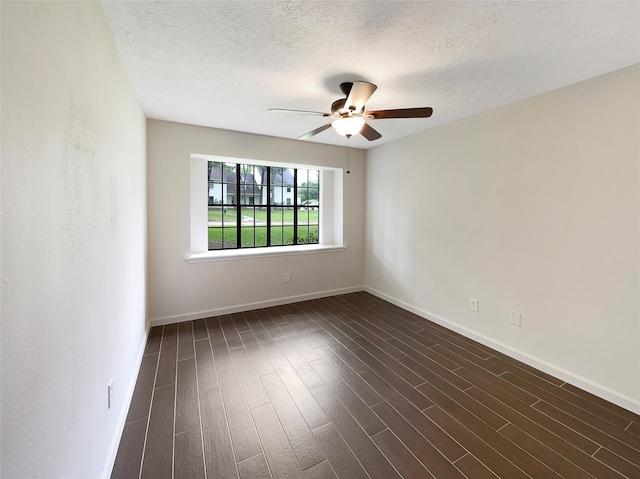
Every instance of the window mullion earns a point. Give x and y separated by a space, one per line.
238 212
295 206
268 198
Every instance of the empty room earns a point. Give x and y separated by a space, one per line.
318 239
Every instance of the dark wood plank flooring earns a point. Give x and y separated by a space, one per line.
354 387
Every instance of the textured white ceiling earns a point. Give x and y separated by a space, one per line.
223 64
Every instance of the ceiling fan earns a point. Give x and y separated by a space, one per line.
349 114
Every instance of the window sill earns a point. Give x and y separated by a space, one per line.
252 253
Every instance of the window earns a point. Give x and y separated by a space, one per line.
253 206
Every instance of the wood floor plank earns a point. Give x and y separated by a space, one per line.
141 400
185 340
518 368
205 367
426 368
425 426
240 322
373 338
253 390
467 402
280 457
154 339
617 463
390 362
462 357
413 395
200 329
491 458
321 470
626 449
187 407
351 401
259 359
472 467
601 402
189 458
359 385
547 456
428 455
168 362
299 363
220 350
158 453
218 451
265 340
346 355
230 332
254 468
308 406
129 456
243 433
578 404
303 442
557 437
341 458
509 450
365 450
405 462
170 330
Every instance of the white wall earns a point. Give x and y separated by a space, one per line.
533 207
179 290
73 239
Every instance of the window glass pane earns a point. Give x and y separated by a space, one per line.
303 216
247 232
276 216
288 235
276 235
261 236
276 176
215 238
303 177
229 215
230 238
303 234
313 234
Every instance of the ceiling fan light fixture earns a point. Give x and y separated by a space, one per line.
348 126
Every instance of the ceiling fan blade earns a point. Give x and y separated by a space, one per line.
399 113
315 132
369 133
299 112
360 92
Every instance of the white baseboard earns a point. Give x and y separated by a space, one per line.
599 390
124 410
178 318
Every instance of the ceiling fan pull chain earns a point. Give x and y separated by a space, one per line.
347 148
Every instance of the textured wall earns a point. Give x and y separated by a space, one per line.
534 207
73 239
179 290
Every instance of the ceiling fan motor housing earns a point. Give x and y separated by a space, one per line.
338 106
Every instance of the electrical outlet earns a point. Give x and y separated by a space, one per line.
110 394
516 318
287 277
473 304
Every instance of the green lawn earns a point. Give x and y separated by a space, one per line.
278 215
224 238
